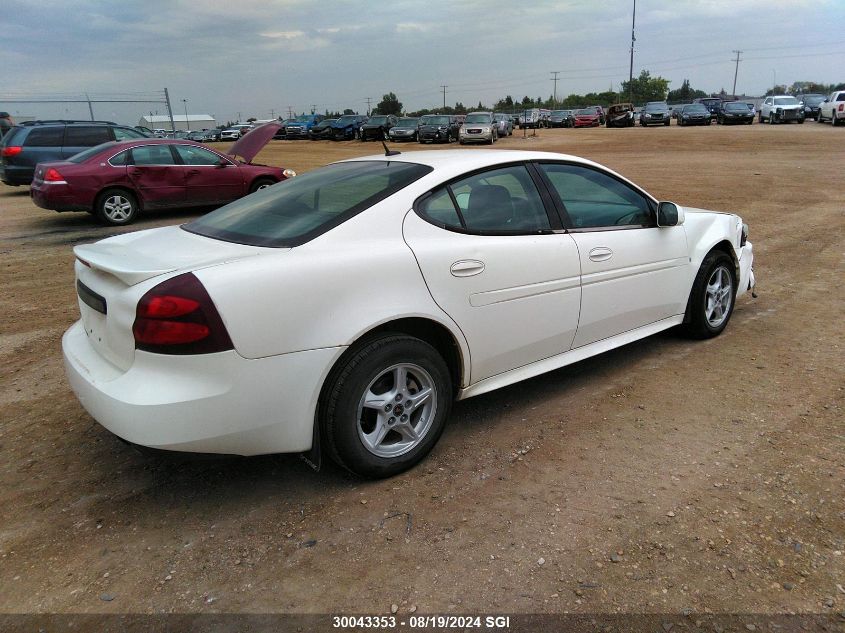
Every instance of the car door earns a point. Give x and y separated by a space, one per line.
156 177
633 273
495 261
210 179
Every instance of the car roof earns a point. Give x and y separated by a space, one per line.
467 160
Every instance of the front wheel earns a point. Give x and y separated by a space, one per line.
386 406
261 183
117 207
711 301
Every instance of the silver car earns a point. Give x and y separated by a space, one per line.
504 124
479 127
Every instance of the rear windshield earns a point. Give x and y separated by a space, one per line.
298 210
84 155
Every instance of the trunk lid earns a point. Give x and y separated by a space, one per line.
248 146
113 275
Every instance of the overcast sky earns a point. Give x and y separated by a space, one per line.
236 56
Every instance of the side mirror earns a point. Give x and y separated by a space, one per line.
222 162
669 214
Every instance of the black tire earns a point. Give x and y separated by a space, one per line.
344 420
760 117
261 183
697 324
116 207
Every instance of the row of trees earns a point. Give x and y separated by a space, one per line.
639 91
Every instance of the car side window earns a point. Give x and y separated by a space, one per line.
120 159
594 199
86 135
840 96
152 155
501 200
191 155
45 137
124 134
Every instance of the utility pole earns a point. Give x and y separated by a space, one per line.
368 100
272 113
290 112
313 108
736 71
169 110
90 108
633 39
188 123
444 96
554 79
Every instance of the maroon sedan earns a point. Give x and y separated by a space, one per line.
118 180
588 117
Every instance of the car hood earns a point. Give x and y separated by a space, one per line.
248 146
136 257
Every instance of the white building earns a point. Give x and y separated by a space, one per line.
192 122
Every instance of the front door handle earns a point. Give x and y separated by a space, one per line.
467 268
600 254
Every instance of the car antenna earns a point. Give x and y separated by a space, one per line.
389 152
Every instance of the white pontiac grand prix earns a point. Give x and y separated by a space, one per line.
344 310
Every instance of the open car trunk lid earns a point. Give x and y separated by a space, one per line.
111 274
248 146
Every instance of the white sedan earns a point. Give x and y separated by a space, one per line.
346 309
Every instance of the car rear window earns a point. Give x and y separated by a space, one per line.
84 155
86 136
45 137
10 136
296 211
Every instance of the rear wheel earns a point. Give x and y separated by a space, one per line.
117 207
386 406
711 301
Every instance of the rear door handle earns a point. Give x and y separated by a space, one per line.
600 254
467 268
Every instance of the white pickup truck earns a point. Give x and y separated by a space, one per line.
833 108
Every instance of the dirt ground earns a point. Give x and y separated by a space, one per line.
666 476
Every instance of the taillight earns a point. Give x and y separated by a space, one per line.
842 107
12 150
53 175
178 317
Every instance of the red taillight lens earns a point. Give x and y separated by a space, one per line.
842 107
53 175
178 317
12 150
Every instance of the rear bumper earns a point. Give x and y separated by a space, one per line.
14 175
57 197
208 403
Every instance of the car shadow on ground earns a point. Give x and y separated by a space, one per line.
160 479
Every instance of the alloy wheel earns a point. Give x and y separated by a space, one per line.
718 297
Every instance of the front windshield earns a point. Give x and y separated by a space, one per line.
304 118
377 120
477 118
813 99
656 107
435 120
695 108
407 123
786 101
585 112
346 120
298 210
736 107
560 112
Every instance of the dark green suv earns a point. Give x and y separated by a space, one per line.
33 142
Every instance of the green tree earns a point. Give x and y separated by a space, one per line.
645 88
684 94
389 104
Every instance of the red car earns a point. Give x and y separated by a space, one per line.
118 180
588 117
